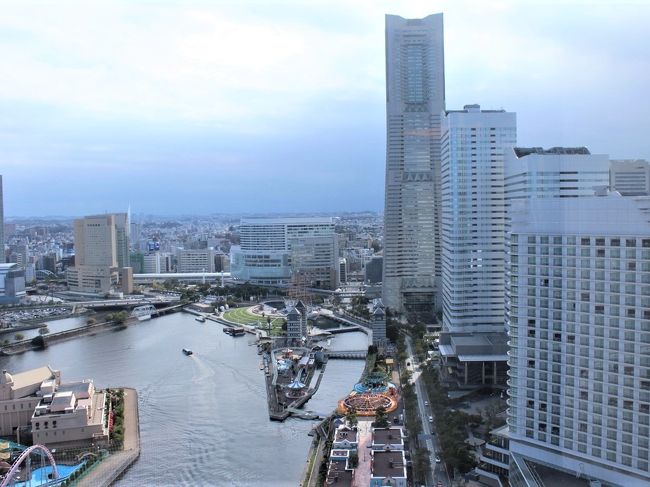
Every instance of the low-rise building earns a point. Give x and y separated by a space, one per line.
339 471
19 395
345 438
388 468
387 438
71 414
494 461
12 283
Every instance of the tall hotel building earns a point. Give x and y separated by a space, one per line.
473 344
578 311
101 248
415 101
272 249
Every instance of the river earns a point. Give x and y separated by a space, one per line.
203 418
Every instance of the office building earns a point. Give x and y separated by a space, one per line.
473 343
12 283
578 312
271 250
373 270
101 249
558 172
630 177
122 239
415 101
195 260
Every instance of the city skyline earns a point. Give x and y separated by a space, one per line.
141 102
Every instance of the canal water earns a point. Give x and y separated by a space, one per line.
203 418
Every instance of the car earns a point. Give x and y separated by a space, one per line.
439 484
437 459
430 419
426 403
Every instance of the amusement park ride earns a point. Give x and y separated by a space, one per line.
21 469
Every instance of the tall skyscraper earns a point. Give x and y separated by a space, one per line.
473 216
415 100
578 311
101 249
2 225
630 177
473 344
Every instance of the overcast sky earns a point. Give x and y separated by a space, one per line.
253 106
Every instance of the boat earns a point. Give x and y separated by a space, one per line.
234 332
200 318
143 313
187 351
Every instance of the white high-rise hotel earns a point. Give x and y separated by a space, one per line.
578 310
415 100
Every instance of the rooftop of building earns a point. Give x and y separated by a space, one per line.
287 220
386 436
388 464
339 475
345 433
525 151
27 378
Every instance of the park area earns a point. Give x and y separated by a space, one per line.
242 316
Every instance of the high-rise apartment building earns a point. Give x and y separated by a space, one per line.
578 312
630 177
415 101
272 249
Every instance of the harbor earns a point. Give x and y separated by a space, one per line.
219 390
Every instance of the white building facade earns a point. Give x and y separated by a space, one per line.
474 142
415 100
578 312
630 177
190 260
271 249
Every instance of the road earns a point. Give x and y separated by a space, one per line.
439 470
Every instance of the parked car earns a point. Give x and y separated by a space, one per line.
437 459
430 419
426 403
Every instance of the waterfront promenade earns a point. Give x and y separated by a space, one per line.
116 464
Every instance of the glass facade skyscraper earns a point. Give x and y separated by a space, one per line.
415 100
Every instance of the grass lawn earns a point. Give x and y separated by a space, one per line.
242 316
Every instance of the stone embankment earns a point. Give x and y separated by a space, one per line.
111 468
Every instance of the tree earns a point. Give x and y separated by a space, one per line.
351 417
38 341
381 418
44 330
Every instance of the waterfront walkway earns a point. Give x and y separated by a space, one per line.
116 464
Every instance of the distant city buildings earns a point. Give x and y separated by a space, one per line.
195 260
578 311
12 283
271 250
101 244
415 101
630 177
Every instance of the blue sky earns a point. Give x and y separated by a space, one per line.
252 106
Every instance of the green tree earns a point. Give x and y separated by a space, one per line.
381 417
351 417
44 330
